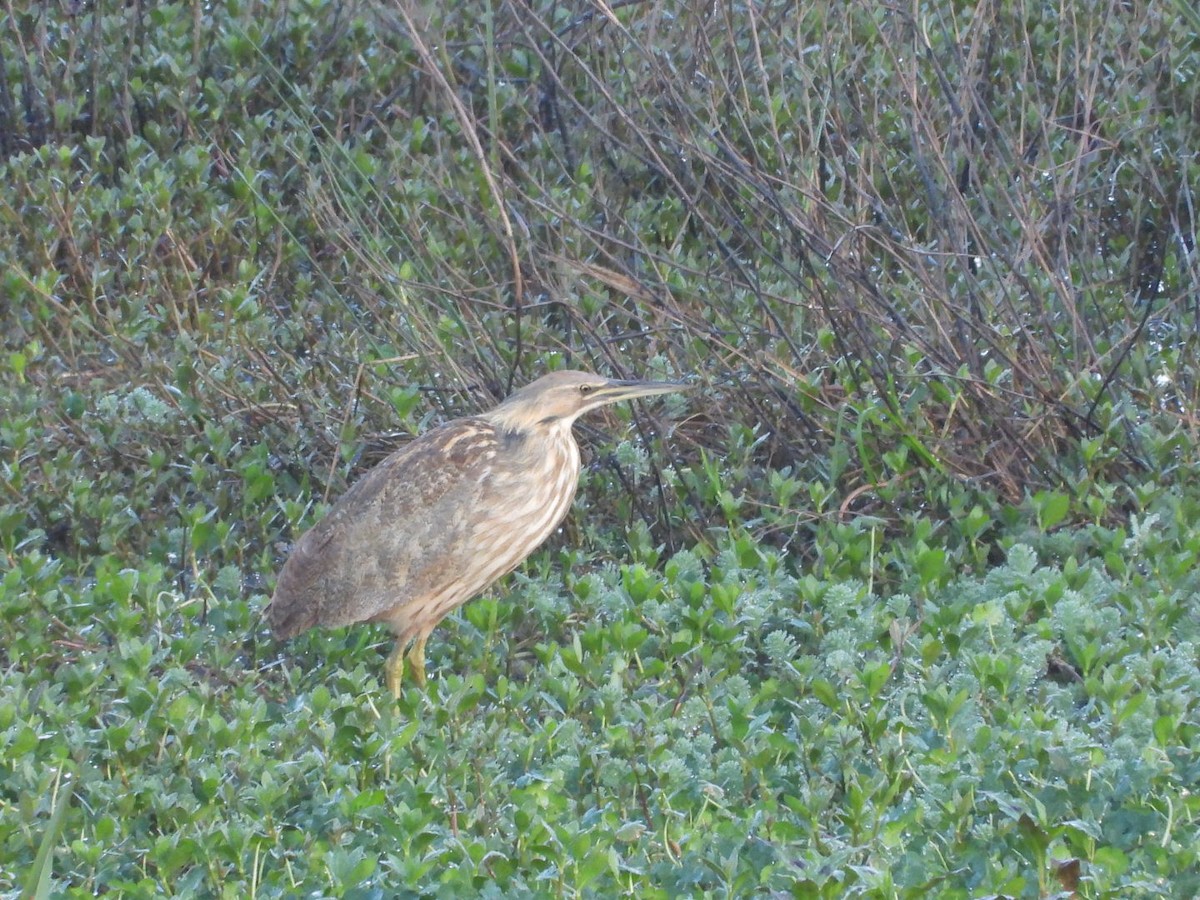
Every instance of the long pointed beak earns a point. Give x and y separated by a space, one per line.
615 390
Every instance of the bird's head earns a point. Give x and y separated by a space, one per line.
562 397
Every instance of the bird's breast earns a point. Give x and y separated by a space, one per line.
528 493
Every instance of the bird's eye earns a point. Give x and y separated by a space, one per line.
585 389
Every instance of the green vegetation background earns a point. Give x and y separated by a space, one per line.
901 602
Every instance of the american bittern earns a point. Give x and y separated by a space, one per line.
443 517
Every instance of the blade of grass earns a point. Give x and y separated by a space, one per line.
37 885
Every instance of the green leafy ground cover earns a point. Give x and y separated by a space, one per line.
713 722
900 602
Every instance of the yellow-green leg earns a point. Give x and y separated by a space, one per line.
416 659
393 669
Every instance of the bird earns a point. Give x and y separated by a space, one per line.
443 517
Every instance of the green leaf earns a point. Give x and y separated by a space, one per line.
1052 508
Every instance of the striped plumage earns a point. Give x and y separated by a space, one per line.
442 518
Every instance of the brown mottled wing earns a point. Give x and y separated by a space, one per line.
377 546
